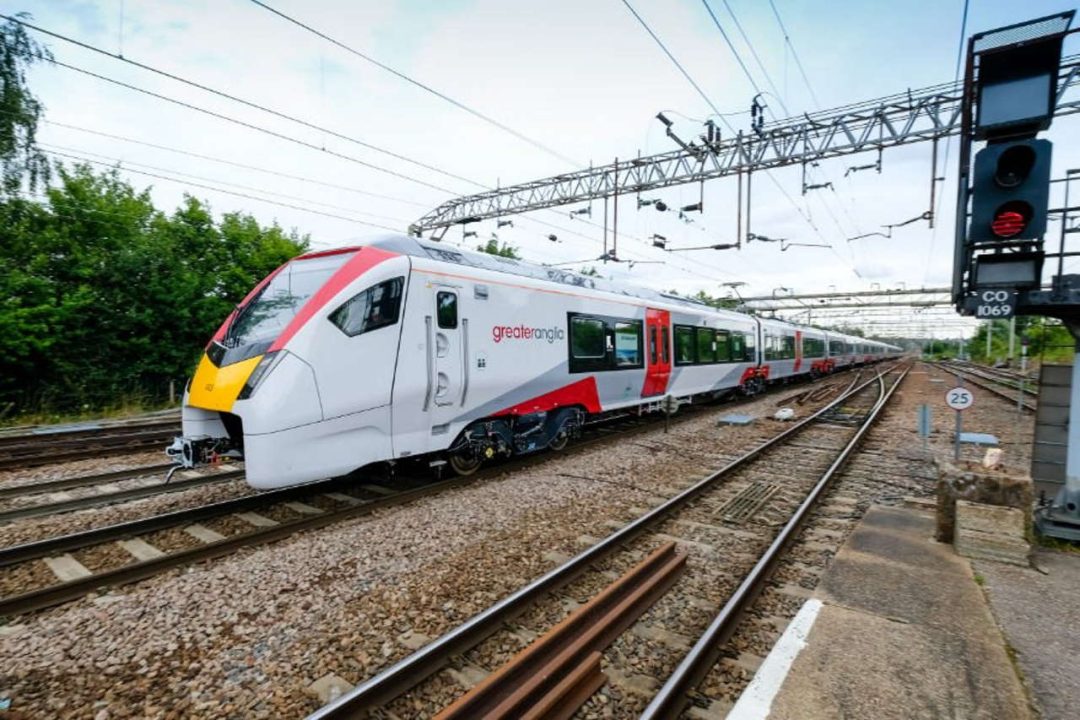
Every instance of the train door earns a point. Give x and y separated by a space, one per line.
657 352
446 330
798 350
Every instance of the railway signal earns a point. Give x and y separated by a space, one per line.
1010 191
1010 93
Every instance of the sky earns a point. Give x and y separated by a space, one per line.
583 81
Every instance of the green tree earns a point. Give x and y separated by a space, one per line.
104 297
20 111
493 247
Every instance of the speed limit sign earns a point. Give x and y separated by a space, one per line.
959 398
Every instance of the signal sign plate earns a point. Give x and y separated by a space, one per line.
995 304
959 398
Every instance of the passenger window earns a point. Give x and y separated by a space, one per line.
627 344
706 345
751 348
374 308
446 309
664 346
587 338
684 345
652 345
738 350
723 346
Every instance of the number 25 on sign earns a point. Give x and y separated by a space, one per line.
959 398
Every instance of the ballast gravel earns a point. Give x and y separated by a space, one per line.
245 635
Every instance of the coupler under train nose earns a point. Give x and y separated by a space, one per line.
192 452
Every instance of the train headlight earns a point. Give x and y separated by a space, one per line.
269 362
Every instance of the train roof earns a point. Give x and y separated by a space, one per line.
416 247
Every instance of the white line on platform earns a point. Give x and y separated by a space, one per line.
755 703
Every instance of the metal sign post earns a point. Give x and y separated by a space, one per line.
959 399
925 423
1023 375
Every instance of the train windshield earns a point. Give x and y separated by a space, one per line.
268 313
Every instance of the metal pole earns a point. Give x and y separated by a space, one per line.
738 215
989 332
615 221
1023 376
605 228
959 424
1072 463
960 255
1012 338
749 200
933 179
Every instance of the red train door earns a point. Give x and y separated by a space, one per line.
798 350
657 352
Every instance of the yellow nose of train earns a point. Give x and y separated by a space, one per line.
217 388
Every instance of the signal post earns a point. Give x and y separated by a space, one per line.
1011 86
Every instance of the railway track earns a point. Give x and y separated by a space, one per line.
184 481
25 450
1004 388
34 488
127 552
733 525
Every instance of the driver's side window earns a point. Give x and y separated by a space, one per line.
377 307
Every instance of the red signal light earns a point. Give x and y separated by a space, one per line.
1011 219
1008 223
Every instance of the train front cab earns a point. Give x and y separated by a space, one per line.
297 380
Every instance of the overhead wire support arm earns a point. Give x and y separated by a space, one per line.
891 121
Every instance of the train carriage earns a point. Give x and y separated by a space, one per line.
403 348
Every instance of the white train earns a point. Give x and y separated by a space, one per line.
403 348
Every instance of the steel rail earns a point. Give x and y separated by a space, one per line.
986 384
672 697
45 436
136 493
407 672
1002 377
43 548
82 481
71 590
50 451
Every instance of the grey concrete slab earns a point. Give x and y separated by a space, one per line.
140 549
905 632
861 665
203 533
1038 613
66 568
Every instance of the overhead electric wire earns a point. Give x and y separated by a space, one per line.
58 149
438 94
948 143
710 103
723 33
427 88
234 98
746 39
794 53
230 192
273 133
252 126
757 89
233 163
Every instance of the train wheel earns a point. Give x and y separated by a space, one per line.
560 441
465 464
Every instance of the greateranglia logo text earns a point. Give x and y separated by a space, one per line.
524 332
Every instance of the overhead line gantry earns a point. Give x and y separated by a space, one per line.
928 114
